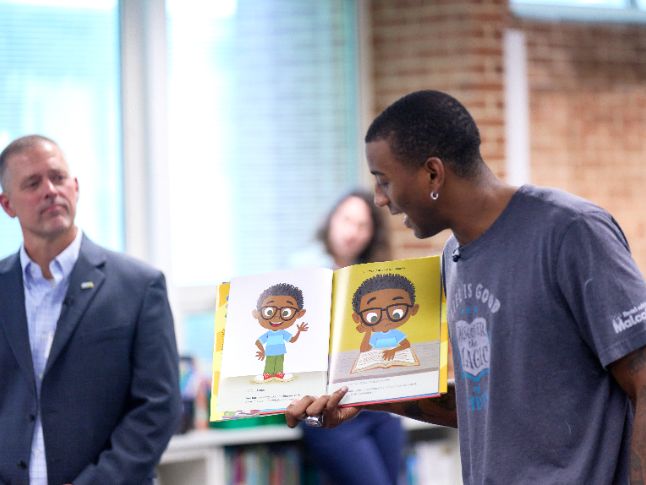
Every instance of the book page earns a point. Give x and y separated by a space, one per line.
218 344
275 341
387 331
374 358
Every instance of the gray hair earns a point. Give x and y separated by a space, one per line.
20 145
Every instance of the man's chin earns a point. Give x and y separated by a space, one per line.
55 229
421 234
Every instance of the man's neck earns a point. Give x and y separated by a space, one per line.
44 251
481 201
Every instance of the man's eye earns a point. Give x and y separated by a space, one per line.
268 312
381 183
287 313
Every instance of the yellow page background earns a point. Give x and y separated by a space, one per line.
218 345
425 276
444 351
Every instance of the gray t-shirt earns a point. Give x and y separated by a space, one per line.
538 307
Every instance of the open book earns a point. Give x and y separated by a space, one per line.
377 328
374 358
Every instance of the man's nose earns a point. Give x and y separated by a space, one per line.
380 198
49 188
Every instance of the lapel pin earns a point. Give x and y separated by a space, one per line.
86 285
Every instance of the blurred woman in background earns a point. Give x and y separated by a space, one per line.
368 449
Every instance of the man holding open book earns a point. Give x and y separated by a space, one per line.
549 351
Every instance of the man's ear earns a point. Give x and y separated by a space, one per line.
300 313
436 170
6 205
414 309
255 314
356 318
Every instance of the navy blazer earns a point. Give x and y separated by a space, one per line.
110 392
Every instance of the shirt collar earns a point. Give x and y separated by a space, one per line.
60 267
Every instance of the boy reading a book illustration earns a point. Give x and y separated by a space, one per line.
278 308
381 305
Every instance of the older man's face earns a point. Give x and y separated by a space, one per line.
40 192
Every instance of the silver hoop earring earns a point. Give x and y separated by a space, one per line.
434 195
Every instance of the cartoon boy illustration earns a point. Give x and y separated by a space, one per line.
278 307
381 304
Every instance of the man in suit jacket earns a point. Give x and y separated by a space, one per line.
89 388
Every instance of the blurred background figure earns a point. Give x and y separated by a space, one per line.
354 231
368 449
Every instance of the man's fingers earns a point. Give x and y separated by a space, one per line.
296 410
335 398
317 406
333 414
310 406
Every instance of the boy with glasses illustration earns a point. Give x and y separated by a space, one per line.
278 308
381 304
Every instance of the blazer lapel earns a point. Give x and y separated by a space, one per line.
85 280
13 317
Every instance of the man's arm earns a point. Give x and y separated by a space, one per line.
438 410
154 406
630 373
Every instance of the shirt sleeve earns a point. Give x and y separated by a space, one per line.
602 286
399 335
263 338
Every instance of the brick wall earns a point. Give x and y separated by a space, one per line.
587 90
451 45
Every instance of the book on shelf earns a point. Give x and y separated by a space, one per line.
376 328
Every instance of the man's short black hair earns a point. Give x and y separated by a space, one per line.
427 124
282 289
385 281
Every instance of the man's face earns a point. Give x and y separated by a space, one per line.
383 310
40 192
404 190
278 312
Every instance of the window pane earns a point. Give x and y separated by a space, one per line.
577 3
60 78
198 339
263 129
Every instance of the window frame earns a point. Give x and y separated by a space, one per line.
145 143
632 13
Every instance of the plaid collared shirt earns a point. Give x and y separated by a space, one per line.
43 302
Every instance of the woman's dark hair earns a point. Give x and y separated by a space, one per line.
378 248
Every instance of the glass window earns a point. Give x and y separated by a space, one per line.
198 339
263 135
577 3
616 11
60 78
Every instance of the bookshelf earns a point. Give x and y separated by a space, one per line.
198 457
